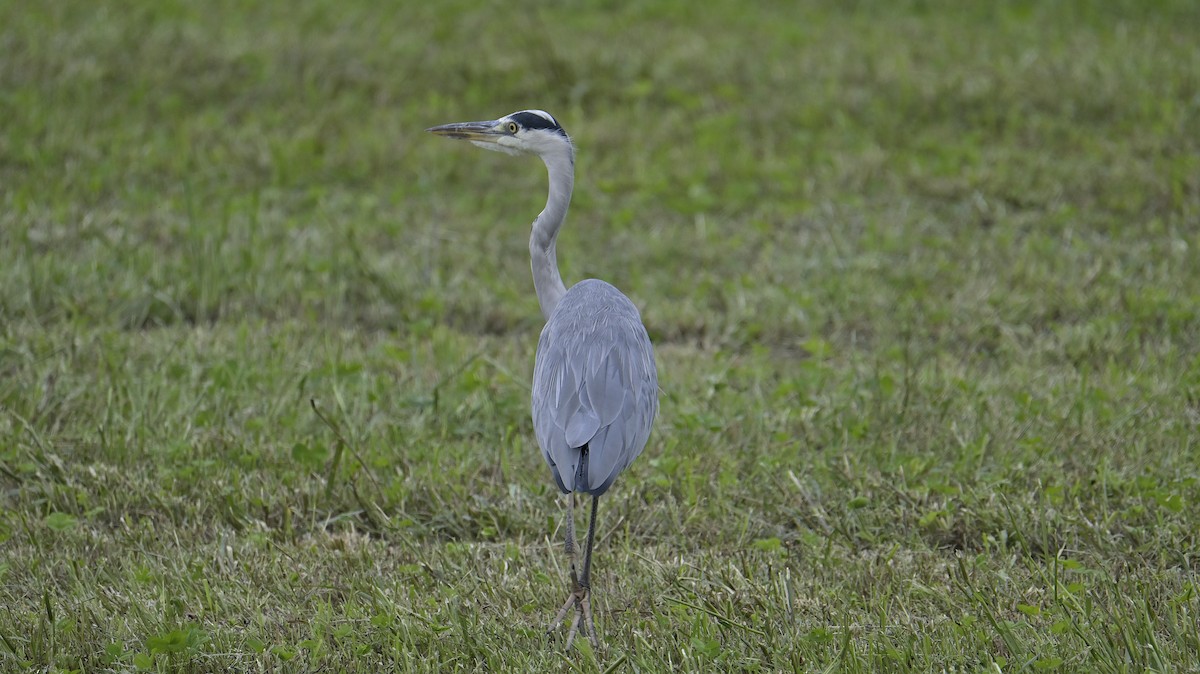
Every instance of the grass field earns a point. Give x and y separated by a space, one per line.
923 279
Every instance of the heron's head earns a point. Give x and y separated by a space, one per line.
525 132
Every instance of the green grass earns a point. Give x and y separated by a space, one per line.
922 277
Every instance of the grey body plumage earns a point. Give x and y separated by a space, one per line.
595 386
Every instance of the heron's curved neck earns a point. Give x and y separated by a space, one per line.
546 279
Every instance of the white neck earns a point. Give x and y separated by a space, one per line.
546 280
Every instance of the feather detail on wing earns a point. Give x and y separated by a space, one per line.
595 388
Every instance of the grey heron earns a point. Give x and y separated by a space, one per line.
595 386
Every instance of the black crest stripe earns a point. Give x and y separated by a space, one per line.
532 120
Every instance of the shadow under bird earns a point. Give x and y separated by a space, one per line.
595 386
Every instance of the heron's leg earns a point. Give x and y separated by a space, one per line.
569 545
580 598
586 582
572 554
585 601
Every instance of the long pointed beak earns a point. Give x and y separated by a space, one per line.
486 132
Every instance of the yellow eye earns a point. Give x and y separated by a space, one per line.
512 127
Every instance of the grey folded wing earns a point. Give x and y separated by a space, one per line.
595 396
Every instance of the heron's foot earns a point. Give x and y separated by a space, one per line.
581 600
